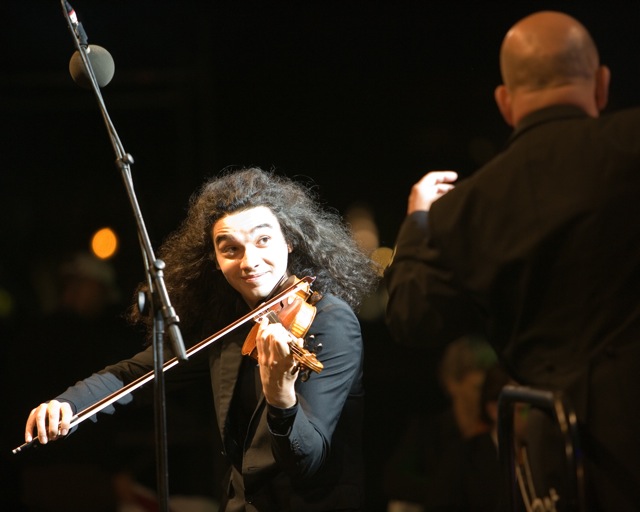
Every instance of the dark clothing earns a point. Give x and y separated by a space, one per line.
436 467
416 471
308 458
538 251
480 484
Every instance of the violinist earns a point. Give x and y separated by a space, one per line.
291 444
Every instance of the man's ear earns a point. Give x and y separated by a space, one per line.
503 100
603 78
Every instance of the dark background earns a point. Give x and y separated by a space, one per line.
359 97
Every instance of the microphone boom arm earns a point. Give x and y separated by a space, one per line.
124 161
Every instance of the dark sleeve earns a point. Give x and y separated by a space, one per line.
426 304
92 390
302 436
109 382
281 420
102 385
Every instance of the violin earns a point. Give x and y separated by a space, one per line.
299 288
295 313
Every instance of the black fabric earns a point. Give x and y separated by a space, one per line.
538 252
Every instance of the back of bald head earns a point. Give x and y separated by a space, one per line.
547 49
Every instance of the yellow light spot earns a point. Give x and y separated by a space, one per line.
104 243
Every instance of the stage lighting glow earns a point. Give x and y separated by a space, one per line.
104 243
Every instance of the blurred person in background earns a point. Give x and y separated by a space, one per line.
417 474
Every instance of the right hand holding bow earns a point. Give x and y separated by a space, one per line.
51 420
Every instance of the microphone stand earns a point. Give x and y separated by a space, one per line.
160 305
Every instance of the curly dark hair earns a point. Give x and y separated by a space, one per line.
322 244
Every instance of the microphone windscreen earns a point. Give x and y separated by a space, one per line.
101 62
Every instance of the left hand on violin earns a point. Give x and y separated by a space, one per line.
278 367
276 342
295 317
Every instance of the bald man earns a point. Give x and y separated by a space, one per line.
539 250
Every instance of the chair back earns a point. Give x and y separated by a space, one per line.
543 468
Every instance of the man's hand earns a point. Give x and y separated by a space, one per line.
432 185
51 420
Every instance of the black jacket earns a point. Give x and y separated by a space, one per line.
539 251
316 465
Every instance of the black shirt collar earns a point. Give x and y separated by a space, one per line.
545 115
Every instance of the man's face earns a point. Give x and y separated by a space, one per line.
251 252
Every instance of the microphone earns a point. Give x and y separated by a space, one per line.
100 60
